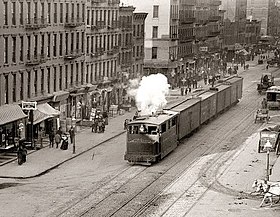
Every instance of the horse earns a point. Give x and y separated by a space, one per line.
269 188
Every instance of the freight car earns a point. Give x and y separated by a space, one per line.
150 138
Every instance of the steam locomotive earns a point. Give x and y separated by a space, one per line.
150 138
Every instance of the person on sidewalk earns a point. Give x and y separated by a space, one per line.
57 139
59 131
72 134
51 138
21 154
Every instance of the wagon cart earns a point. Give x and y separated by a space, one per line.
267 80
271 134
262 115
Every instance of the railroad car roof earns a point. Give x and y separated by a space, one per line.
157 119
206 94
222 87
187 104
230 79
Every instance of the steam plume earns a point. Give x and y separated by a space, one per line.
150 93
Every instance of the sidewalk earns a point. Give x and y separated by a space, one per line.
41 161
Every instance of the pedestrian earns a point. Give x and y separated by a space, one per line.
51 138
125 124
59 131
267 66
264 103
72 134
21 154
57 139
182 91
186 91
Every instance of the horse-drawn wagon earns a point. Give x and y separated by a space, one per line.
262 115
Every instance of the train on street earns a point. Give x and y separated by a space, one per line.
151 137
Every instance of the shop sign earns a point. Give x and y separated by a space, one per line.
205 49
29 105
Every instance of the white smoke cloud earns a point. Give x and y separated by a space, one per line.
150 94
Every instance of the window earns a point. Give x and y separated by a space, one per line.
78 41
35 81
60 44
49 46
13 13
6 89
155 32
55 13
54 79
21 13
66 76
42 44
28 84
49 13
42 80
49 79
67 12
21 85
60 77
61 12
54 44
72 75
28 13
28 47
66 43
42 12
5 13
21 49
78 12
163 128
154 52
6 49
35 15
35 45
14 49
14 87
155 11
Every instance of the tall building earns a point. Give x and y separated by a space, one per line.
259 10
175 33
273 27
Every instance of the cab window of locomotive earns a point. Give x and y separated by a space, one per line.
169 124
173 121
130 129
163 128
277 96
152 130
135 130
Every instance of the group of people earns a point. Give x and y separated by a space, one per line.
59 137
99 122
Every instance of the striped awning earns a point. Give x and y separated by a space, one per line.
10 113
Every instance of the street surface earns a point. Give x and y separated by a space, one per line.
209 174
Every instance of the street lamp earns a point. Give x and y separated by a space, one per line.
267 147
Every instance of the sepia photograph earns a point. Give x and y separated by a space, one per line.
139 108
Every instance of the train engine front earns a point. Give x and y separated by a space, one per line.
150 138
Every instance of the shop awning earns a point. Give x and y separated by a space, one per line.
10 113
60 96
43 112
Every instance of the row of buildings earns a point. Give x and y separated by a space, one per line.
69 57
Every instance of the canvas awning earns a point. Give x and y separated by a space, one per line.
60 96
43 112
10 113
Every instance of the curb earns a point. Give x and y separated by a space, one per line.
59 164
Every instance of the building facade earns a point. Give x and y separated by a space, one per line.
65 54
258 10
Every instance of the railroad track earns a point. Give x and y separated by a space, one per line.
92 206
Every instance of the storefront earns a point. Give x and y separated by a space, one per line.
59 102
12 126
46 118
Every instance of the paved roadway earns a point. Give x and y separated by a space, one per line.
209 174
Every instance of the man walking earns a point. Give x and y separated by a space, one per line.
57 139
72 134
51 138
